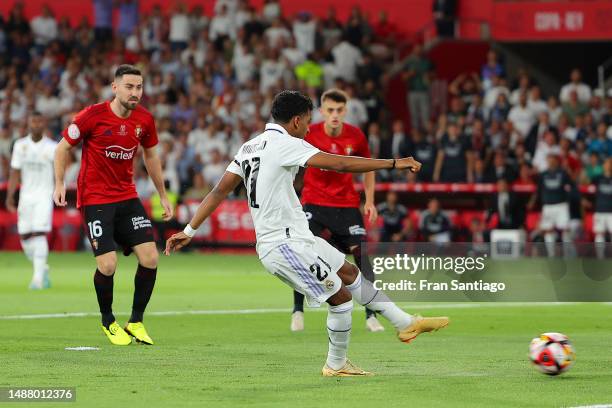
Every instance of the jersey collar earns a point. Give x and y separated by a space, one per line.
275 127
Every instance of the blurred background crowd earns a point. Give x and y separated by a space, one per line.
210 80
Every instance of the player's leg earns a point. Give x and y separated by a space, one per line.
133 229
144 282
349 232
297 315
364 293
40 220
363 263
562 223
547 225
24 228
39 248
599 229
312 269
99 220
103 283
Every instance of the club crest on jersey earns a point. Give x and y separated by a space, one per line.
138 131
94 243
348 149
122 130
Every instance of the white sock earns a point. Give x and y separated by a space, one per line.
40 251
26 245
365 294
339 332
551 239
600 245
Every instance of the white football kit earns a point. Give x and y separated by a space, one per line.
35 161
268 165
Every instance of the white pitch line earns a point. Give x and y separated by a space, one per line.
283 310
595 406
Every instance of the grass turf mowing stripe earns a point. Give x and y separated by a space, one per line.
279 310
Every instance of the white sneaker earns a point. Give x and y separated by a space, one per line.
373 325
297 321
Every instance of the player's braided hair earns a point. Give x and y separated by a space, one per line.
288 104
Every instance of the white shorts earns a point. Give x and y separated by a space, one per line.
310 268
602 222
555 216
34 216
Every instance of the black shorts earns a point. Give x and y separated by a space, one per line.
124 223
344 224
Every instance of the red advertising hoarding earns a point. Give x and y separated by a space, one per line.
557 20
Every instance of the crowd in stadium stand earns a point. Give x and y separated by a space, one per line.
210 80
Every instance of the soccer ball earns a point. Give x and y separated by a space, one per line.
552 353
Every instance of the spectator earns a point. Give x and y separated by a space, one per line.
394 216
554 110
356 112
103 20
453 162
346 59
497 86
398 139
373 101
417 73
583 91
44 28
466 87
523 89
522 117
545 148
271 10
304 31
601 145
221 26
277 33
331 29
444 16
425 152
593 170
180 29
434 225
213 171
535 101
490 70
310 72
536 132
507 207
574 107
128 17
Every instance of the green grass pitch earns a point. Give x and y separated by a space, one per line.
232 359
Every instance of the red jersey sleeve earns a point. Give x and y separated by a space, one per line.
364 146
150 137
79 128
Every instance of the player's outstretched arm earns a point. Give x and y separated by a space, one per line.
353 164
59 165
226 185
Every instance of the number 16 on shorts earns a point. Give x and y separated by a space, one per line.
95 229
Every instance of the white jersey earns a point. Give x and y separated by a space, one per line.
268 165
35 161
